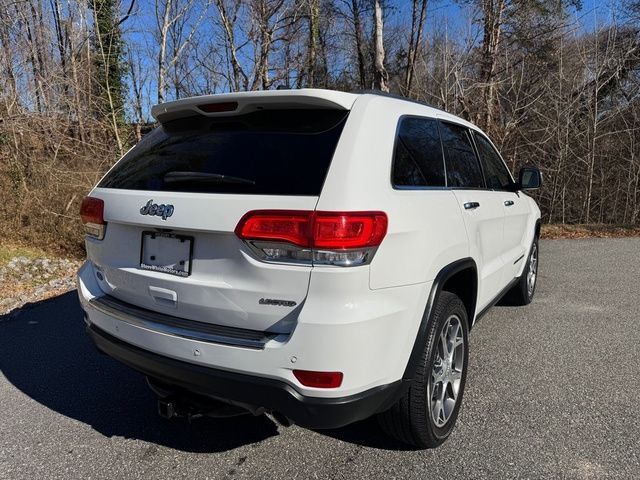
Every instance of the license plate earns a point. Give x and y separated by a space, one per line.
166 253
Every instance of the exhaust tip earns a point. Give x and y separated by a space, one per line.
281 419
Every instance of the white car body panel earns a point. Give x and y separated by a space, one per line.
361 321
342 327
485 231
226 282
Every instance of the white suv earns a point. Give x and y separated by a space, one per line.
314 255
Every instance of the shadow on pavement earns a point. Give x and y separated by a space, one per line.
46 354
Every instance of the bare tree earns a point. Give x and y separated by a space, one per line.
269 17
380 77
172 18
353 13
228 18
550 87
418 17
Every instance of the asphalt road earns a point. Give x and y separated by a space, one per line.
553 391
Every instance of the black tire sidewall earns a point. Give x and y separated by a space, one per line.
452 305
525 289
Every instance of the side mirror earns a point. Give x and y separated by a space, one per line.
530 178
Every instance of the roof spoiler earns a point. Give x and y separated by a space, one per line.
244 102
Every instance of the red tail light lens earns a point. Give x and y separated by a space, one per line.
307 237
92 210
319 379
337 231
92 216
325 230
276 225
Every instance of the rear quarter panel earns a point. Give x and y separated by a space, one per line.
426 230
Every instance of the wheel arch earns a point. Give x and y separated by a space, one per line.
455 278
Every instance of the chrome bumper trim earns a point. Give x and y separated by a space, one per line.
180 327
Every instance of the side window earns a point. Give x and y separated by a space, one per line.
495 170
417 160
463 169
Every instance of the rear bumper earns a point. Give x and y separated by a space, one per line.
365 334
273 395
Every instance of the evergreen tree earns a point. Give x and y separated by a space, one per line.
108 61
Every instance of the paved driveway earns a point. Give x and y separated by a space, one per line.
553 391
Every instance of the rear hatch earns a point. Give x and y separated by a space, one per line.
171 205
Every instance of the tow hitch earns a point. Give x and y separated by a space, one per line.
173 402
183 408
166 409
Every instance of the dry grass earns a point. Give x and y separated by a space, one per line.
588 231
9 251
29 274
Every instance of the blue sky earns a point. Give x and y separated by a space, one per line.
452 14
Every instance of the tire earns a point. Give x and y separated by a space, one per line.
416 419
523 291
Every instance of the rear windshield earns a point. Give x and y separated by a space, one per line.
267 152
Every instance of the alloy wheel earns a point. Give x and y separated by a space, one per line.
533 270
446 374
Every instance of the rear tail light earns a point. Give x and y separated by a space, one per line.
319 379
329 238
277 225
337 231
92 215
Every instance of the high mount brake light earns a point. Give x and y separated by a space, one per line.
302 236
218 107
92 216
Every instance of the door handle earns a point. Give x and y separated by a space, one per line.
508 203
471 205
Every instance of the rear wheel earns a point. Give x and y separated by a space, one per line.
425 416
523 291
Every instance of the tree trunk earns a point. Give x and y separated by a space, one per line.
357 33
380 73
415 40
105 52
493 12
162 51
312 48
239 79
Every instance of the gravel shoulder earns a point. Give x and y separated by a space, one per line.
552 392
29 275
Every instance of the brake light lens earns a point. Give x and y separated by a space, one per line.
309 378
277 225
92 216
301 236
218 107
349 230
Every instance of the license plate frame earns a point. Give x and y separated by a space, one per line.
147 258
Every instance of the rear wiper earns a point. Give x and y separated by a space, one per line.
179 177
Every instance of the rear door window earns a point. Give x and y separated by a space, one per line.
267 152
495 170
418 160
463 169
